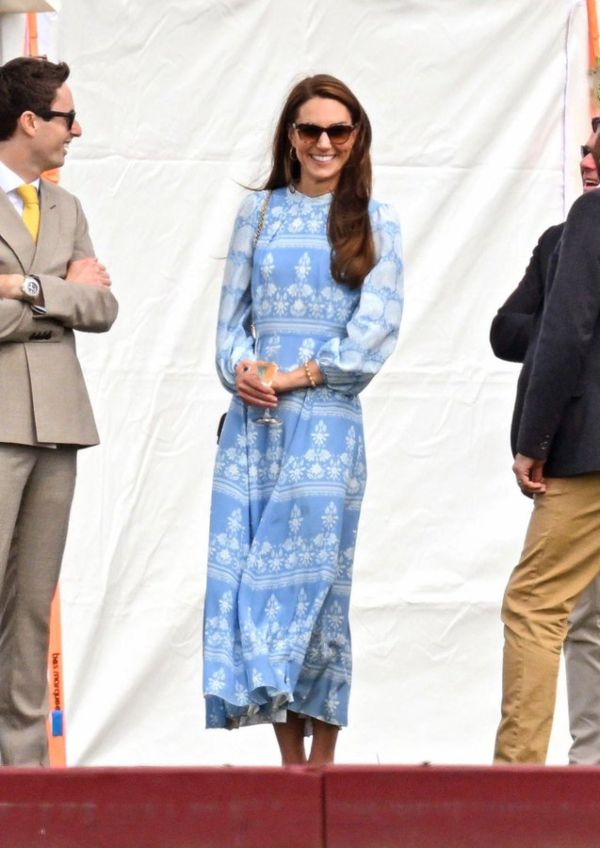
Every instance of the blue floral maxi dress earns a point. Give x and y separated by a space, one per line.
286 500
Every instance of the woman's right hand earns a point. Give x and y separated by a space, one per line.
250 388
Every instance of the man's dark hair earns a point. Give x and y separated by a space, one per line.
27 84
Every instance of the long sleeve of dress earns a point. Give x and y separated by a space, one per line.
234 329
349 363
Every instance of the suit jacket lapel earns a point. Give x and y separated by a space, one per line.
49 227
14 232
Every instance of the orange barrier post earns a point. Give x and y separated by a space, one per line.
56 719
593 35
56 729
31 35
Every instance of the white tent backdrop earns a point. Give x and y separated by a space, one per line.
477 109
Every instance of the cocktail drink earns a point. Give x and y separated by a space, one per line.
266 373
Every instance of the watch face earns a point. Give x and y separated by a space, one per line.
31 287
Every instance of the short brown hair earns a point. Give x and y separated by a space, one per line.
27 84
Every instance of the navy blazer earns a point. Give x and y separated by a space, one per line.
557 413
514 329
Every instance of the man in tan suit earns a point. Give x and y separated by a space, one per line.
50 285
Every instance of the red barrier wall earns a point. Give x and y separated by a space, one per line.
161 808
336 807
448 807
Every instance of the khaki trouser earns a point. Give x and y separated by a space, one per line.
560 559
36 489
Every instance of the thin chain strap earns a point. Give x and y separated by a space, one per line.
261 222
261 218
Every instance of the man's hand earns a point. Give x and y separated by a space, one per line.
10 286
529 474
250 388
88 271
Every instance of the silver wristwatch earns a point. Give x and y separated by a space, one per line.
30 287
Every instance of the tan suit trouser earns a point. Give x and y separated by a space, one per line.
36 490
560 559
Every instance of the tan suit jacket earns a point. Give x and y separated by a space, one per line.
43 398
43 401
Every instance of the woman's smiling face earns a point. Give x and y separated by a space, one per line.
321 161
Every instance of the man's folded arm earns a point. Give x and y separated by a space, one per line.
82 301
79 306
514 325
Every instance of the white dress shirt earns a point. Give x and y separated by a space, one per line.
10 182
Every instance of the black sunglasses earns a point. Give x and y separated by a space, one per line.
68 116
337 133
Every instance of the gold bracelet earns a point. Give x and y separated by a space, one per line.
310 377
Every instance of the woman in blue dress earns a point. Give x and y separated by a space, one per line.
313 282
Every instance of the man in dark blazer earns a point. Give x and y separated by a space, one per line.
550 323
50 285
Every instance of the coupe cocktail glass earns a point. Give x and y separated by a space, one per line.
266 373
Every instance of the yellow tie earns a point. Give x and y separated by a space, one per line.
31 211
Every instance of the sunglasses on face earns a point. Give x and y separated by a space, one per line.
336 133
68 116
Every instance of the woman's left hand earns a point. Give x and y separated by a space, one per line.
289 381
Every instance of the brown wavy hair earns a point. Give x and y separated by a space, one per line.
349 226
